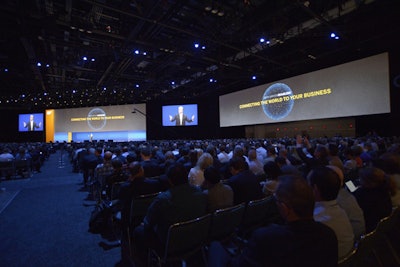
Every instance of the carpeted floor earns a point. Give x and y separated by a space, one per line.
44 220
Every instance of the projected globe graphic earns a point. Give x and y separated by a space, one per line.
96 119
276 101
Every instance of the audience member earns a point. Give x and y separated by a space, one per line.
150 166
255 166
272 172
244 183
373 196
349 204
179 203
218 194
196 174
326 185
300 242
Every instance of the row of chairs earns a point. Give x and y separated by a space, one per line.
187 238
16 168
379 248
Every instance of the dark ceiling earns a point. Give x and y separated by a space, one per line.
143 50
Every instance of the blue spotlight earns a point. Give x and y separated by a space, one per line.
262 40
137 52
39 64
137 85
254 77
203 47
211 80
84 58
93 59
196 45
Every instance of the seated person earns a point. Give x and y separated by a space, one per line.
117 176
373 196
300 242
272 172
179 203
244 183
219 195
326 184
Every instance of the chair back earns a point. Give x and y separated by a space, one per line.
224 222
186 238
139 206
256 214
115 188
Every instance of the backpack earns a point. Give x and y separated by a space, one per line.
100 221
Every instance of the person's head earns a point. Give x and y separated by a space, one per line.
272 170
237 164
145 152
325 183
205 160
108 155
177 174
180 109
211 176
294 198
31 117
117 164
135 170
252 154
321 152
371 177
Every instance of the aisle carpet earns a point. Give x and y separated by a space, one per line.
44 220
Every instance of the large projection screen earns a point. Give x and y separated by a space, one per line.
116 123
357 88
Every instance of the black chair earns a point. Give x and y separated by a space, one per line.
377 248
23 168
7 169
257 213
184 240
134 214
225 222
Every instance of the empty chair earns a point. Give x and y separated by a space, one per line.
184 239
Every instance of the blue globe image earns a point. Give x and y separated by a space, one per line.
277 102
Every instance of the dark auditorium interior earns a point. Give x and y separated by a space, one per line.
72 54
100 53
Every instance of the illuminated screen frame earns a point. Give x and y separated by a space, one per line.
23 122
360 87
118 123
170 113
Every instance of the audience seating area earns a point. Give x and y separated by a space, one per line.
231 226
379 248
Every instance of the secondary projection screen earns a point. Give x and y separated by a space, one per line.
179 115
357 88
116 123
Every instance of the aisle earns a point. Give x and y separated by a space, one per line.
43 221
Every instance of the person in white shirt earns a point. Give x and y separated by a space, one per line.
196 174
326 184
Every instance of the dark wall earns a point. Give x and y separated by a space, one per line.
9 132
